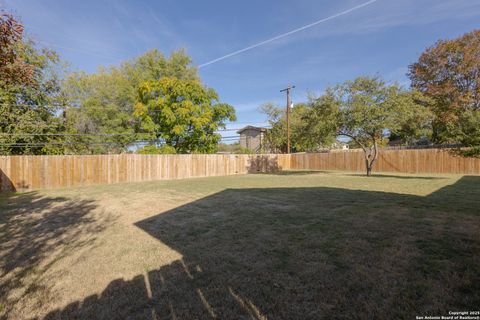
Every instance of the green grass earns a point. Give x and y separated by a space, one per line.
297 245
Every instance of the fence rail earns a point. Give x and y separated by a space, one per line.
45 172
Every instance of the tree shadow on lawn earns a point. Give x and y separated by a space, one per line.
36 231
306 253
397 176
299 172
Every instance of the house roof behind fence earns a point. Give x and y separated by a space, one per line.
251 128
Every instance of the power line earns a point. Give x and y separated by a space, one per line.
93 143
286 34
264 124
31 105
247 122
150 111
42 144
90 134
77 107
71 134
236 129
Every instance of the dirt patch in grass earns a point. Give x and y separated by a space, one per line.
291 246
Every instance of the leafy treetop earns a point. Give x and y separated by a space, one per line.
366 110
449 73
182 113
13 69
103 102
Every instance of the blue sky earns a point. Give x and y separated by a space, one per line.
382 38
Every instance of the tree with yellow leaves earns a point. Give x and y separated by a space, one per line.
182 114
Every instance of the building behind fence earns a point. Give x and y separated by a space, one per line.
45 172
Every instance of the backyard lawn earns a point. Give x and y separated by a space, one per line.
296 245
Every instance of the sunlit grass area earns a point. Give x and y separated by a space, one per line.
296 245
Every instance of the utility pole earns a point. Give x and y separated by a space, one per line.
289 101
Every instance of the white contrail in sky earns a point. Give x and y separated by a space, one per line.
286 34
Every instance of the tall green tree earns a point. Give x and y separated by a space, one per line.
449 73
415 119
30 95
99 114
153 65
276 135
182 114
318 123
14 70
101 104
301 138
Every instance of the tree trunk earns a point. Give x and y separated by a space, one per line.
370 158
369 170
368 162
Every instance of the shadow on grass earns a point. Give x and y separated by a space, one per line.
6 185
306 253
299 172
35 230
396 176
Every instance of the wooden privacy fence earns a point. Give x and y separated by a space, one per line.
44 172
403 161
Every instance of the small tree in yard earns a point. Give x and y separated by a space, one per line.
366 110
